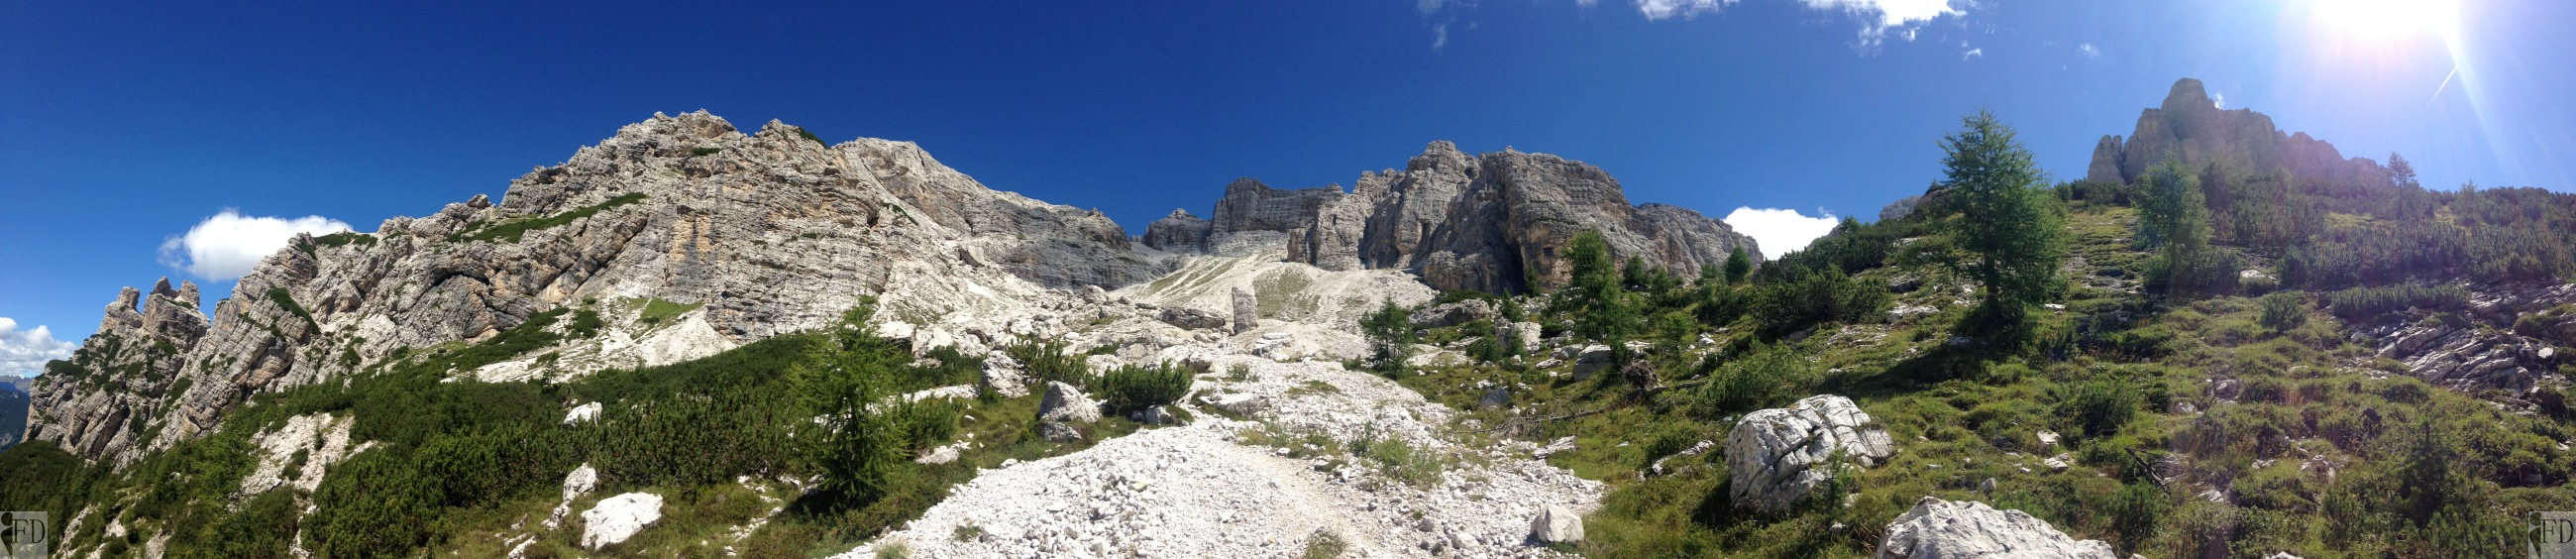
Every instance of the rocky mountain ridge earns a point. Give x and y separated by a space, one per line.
691 237
754 234
2190 126
1492 222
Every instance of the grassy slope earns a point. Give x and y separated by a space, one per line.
492 457
1959 421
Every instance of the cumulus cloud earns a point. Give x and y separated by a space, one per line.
2089 51
1780 231
1878 18
227 245
1439 36
2218 99
25 352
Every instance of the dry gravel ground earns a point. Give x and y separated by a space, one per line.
1230 485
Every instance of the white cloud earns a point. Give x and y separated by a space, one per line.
25 353
1663 9
1972 53
1780 231
1439 36
2218 99
2089 51
227 245
1877 17
1890 13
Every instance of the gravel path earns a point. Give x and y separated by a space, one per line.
1218 488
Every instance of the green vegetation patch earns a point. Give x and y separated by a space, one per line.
510 231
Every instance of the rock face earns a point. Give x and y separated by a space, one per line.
1179 232
1453 314
1247 310
767 232
1937 529
2518 353
2190 126
1778 455
1494 222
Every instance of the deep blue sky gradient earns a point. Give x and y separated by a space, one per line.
123 124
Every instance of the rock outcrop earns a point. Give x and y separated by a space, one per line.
2515 350
760 234
1776 456
617 518
1494 222
1938 529
2190 127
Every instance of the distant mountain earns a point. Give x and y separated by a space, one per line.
13 414
2189 126
1492 222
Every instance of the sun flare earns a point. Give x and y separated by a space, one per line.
2386 19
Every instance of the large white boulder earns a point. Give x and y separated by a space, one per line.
584 413
1938 529
617 518
1556 524
1064 403
1777 455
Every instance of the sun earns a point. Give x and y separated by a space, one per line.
2387 19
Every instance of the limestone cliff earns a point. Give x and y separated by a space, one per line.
1494 222
763 233
2189 126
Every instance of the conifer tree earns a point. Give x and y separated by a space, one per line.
2009 225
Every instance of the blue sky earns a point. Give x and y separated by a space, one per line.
124 126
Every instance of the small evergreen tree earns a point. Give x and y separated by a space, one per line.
1738 265
858 439
1390 336
1593 296
2011 227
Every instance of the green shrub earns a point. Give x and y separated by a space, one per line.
345 238
2135 512
1807 298
1048 362
2100 407
372 505
263 528
2366 302
809 134
286 301
1133 387
1766 376
2283 311
511 231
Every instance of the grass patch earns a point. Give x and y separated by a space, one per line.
511 231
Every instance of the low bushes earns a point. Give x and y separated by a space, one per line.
1134 387
2365 302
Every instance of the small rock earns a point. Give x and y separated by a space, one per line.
1060 432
